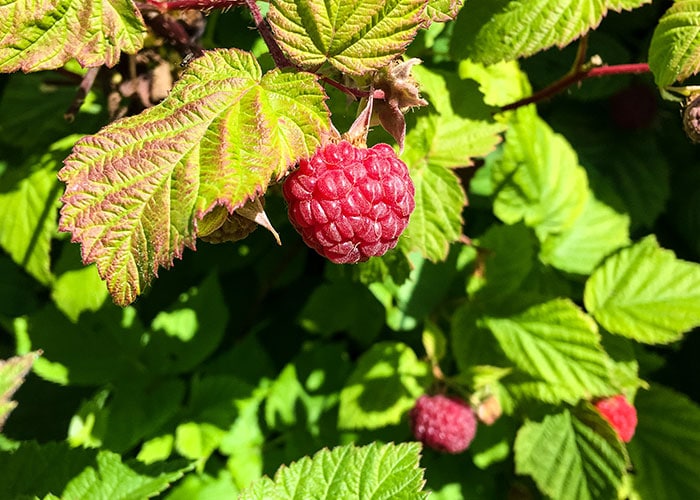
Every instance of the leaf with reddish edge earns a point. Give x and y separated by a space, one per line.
45 35
136 190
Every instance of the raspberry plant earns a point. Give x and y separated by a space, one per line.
549 261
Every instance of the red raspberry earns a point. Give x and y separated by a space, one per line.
443 423
350 203
621 415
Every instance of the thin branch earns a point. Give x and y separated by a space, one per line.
577 76
356 93
85 86
166 5
278 56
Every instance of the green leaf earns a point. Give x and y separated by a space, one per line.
49 34
674 51
12 373
354 37
665 449
597 231
557 344
28 208
111 478
451 132
507 255
373 471
437 219
509 29
571 455
33 108
441 11
72 304
538 179
343 307
37 470
136 190
385 384
645 293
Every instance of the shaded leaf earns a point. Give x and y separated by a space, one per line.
385 384
46 35
28 209
136 189
354 37
645 293
665 449
373 471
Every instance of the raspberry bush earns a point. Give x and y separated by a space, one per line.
501 204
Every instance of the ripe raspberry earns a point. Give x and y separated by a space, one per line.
443 423
350 203
621 415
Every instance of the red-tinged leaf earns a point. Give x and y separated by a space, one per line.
136 190
38 35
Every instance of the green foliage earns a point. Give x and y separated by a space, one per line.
552 257
374 471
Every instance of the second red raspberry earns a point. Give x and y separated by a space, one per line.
350 203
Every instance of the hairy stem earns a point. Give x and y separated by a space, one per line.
278 56
194 4
577 75
85 86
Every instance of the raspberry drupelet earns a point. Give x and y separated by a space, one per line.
350 203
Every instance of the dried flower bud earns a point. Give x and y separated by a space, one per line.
691 117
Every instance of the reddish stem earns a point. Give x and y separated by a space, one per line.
195 4
356 93
278 56
576 76
85 86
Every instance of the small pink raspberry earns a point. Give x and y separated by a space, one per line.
443 423
350 203
621 415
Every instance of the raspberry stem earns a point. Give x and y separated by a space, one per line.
581 70
194 4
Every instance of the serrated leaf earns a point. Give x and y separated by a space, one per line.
597 231
136 189
114 479
45 35
665 450
437 219
452 131
645 293
674 52
28 209
558 344
538 179
509 29
385 384
571 455
12 373
373 471
354 37
441 11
